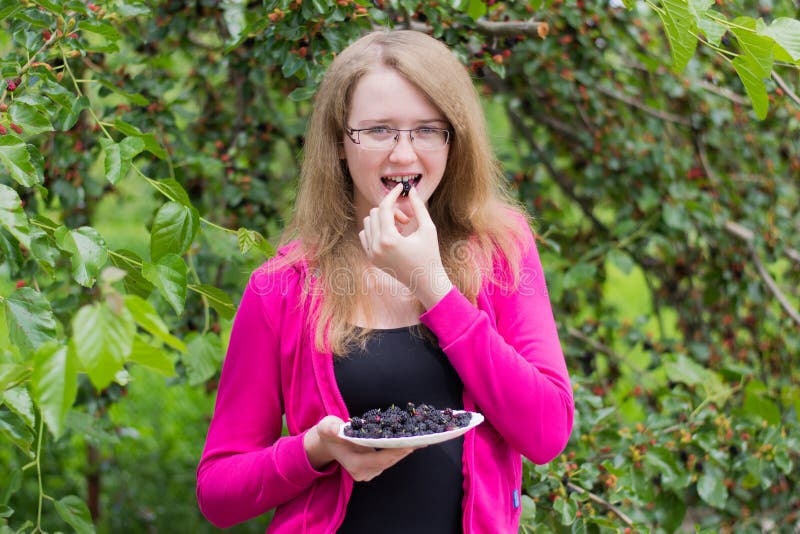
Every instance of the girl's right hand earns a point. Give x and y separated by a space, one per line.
323 445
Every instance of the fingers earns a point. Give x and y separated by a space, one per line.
420 211
373 463
386 207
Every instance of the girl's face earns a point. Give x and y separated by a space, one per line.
383 98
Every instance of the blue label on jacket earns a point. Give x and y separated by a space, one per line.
515 496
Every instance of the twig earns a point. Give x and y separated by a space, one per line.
732 227
663 115
563 181
746 235
599 500
722 91
511 28
773 286
786 89
596 345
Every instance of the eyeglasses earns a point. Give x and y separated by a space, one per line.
382 138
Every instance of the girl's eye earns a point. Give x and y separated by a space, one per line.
380 131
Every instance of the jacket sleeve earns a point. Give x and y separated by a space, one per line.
246 467
511 365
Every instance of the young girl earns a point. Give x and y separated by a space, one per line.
406 276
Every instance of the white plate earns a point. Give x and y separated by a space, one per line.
414 441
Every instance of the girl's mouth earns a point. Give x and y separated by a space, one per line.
390 182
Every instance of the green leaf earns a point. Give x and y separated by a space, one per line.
169 276
749 72
106 33
621 260
14 430
151 144
711 487
759 404
12 374
203 357
88 250
155 358
680 28
579 274
94 429
173 190
173 231
102 340
119 156
74 511
54 385
20 159
32 119
9 10
302 93
699 8
674 215
70 106
147 318
12 216
681 369
663 462
19 401
126 9
566 508
31 322
134 282
44 250
757 49
476 9
670 510
786 33
217 299
247 239
712 29
292 64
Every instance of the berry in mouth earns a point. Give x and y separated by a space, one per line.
409 181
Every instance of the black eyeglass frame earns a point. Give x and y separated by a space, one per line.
357 139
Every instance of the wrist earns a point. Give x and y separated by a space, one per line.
315 449
434 288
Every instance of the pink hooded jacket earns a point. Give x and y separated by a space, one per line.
505 349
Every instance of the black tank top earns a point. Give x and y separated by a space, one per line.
423 492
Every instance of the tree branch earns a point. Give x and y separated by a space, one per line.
786 89
512 28
563 181
746 235
509 28
663 115
596 345
599 500
722 91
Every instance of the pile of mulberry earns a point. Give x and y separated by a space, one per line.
395 422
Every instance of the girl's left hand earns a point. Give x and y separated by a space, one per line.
413 259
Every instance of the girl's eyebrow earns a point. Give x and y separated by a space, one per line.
390 121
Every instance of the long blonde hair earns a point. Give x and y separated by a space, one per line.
474 216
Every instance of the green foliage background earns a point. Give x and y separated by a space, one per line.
148 159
